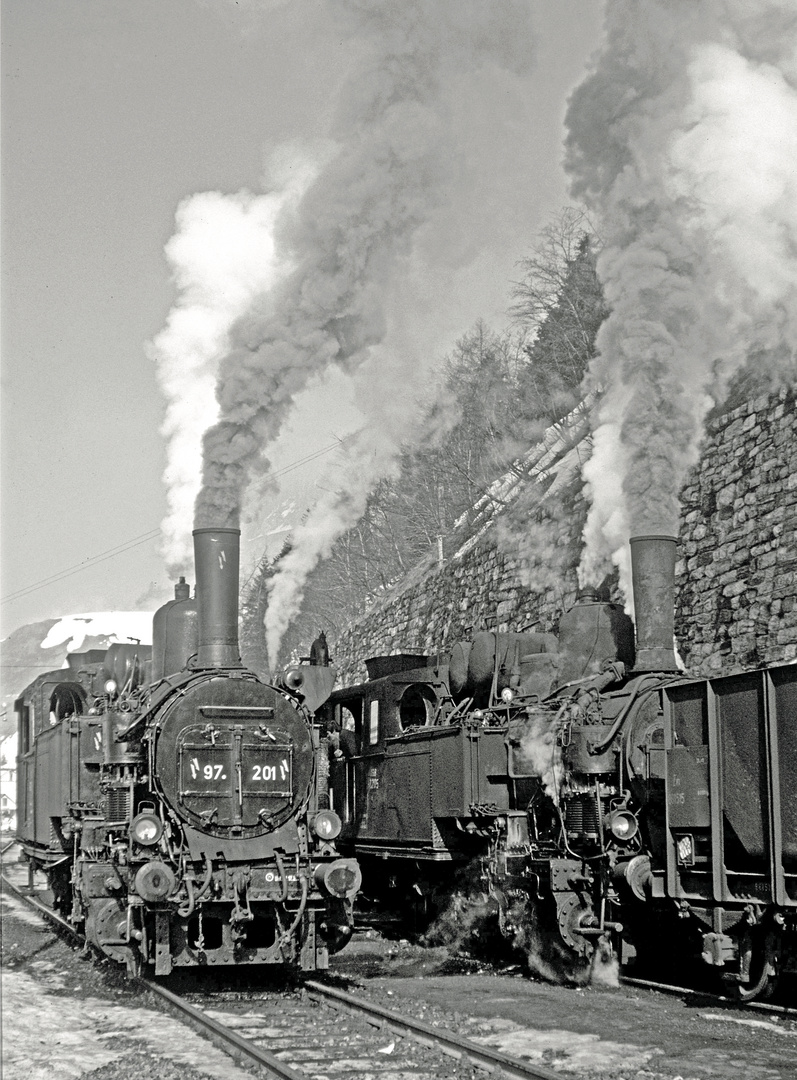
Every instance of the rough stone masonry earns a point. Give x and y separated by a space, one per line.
736 578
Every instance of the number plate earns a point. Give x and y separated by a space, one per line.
267 770
206 771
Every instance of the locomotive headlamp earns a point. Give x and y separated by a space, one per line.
507 695
327 825
622 824
110 687
146 828
293 678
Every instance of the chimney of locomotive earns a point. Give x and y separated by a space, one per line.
653 577
216 558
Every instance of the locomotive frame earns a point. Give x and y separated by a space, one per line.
601 798
180 814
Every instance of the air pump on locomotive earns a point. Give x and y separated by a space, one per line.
599 796
175 801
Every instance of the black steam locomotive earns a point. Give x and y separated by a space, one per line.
598 797
175 802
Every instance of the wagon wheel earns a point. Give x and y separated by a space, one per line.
760 986
758 964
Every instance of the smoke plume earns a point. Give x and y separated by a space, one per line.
682 142
411 210
221 256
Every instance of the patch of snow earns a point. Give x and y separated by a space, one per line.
63 1038
767 1025
569 1051
117 626
10 905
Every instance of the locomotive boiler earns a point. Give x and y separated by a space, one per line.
175 801
600 798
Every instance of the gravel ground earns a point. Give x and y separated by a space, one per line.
64 1017
602 1032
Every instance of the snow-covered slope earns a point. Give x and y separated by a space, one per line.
43 646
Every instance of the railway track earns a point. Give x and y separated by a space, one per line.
685 991
321 1030
316 1030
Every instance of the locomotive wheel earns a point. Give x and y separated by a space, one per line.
572 915
106 926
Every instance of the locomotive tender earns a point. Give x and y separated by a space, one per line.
598 795
175 801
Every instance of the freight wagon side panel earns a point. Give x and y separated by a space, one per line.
744 785
784 706
731 798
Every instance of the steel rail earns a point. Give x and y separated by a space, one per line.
238 1047
41 908
448 1042
402 1025
224 1038
743 1006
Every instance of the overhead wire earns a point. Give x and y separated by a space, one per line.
142 538
110 553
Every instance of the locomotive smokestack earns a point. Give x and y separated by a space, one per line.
216 557
653 576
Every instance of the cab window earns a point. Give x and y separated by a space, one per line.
417 707
373 724
24 726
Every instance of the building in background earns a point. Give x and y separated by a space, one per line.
8 783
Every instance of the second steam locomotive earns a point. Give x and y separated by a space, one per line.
595 794
175 801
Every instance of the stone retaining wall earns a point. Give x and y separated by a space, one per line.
736 586
736 580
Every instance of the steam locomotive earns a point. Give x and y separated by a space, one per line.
175 801
600 800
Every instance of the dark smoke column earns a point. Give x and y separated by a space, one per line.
681 142
406 174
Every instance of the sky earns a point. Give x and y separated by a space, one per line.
113 113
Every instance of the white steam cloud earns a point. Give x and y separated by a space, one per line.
540 753
683 143
412 209
222 255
